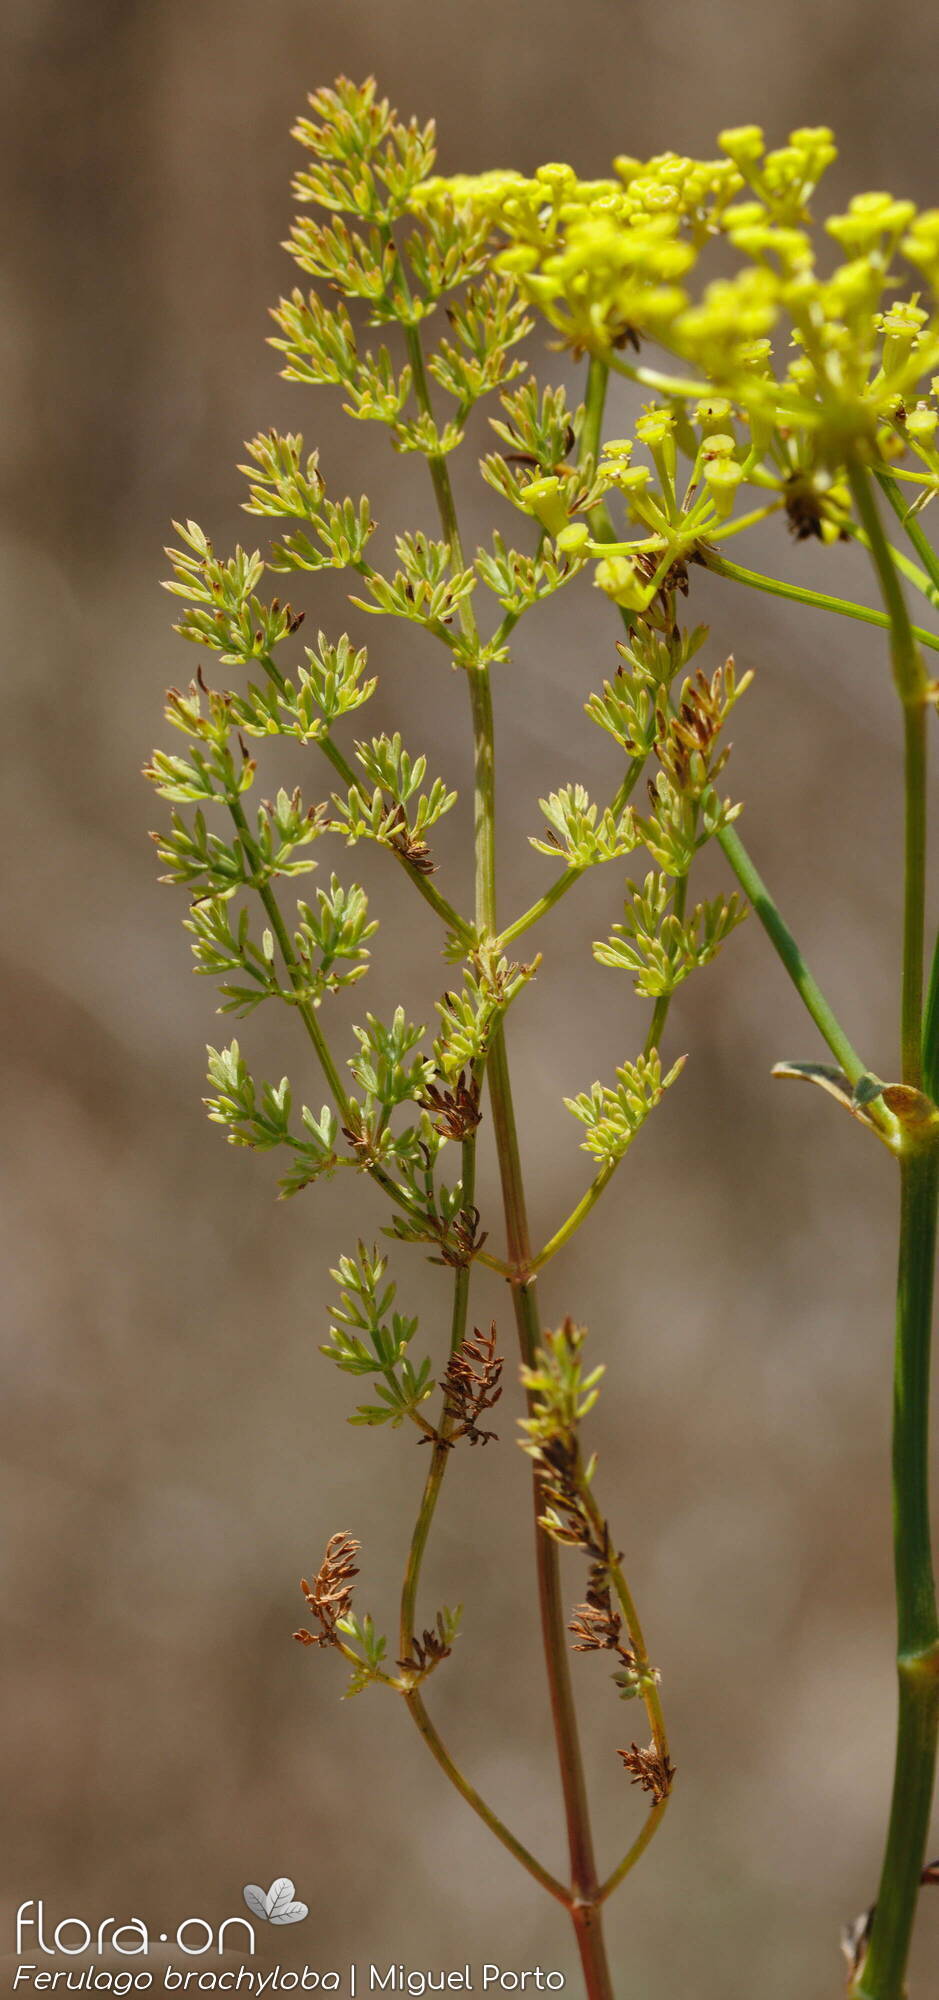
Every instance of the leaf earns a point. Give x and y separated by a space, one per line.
292 1913
275 1905
867 1088
824 1075
279 1898
836 1084
256 1900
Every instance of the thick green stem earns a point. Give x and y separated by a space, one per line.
931 1031
915 748
882 1974
911 685
917 1626
904 652
598 375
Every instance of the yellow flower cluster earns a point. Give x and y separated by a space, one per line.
796 343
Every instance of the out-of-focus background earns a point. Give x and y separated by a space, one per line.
175 1452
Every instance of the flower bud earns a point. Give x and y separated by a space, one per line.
711 416
802 373
543 498
722 477
618 578
556 176
520 258
632 483
869 217
626 167
811 138
720 445
743 144
656 429
574 539
921 424
901 327
744 215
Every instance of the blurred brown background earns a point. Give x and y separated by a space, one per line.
175 1452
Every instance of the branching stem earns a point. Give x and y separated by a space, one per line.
440 1453
440 1449
341 765
578 1215
571 875
583 1896
306 1012
468 1792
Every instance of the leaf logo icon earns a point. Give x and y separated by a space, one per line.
275 1905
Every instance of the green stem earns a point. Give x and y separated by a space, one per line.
306 1012
915 748
741 522
601 1180
904 653
467 1791
574 1220
566 881
799 594
911 570
660 1011
652 1700
584 1883
882 1973
785 946
440 1450
912 689
638 1848
440 1453
931 1030
921 479
279 928
341 765
582 1898
910 522
598 375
